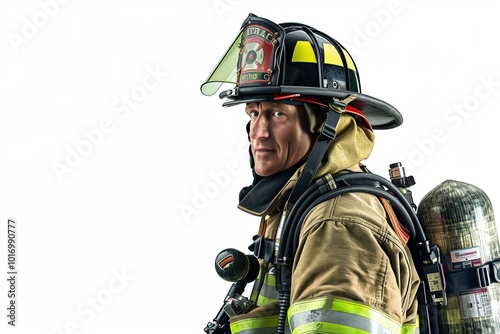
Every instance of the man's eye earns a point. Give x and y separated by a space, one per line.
278 113
253 114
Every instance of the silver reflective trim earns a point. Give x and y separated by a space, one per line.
268 330
340 318
269 292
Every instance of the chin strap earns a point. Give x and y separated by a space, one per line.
328 133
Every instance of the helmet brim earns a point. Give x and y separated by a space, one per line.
380 114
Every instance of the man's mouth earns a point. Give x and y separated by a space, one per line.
263 150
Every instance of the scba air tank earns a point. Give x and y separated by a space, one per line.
458 217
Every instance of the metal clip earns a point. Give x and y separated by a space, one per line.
232 92
326 183
434 277
339 105
237 305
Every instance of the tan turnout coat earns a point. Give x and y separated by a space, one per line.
347 247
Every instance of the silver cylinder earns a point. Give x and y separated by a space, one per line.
459 218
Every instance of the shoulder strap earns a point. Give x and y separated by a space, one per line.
328 133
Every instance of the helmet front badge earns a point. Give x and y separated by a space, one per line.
256 56
253 57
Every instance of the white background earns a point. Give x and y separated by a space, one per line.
153 198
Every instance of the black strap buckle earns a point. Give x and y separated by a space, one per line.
474 278
483 276
262 248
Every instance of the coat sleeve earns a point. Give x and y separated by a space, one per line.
351 269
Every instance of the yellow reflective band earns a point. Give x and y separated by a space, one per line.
254 323
411 328
303 53
332 57
254 295
350 62
261 300
268 293
347 312
270 279
256 286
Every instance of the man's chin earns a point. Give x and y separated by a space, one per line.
264 171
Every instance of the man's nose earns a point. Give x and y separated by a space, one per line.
259 127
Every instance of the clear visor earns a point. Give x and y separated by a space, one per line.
225 71
251 59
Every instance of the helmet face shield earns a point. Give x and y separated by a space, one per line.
225 71
268 61
250 59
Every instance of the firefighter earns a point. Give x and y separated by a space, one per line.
352 269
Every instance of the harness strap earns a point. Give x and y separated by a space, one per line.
328 133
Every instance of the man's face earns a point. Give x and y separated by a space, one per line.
279 136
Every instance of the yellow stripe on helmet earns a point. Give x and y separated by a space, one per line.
332 57
350 62
303 53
